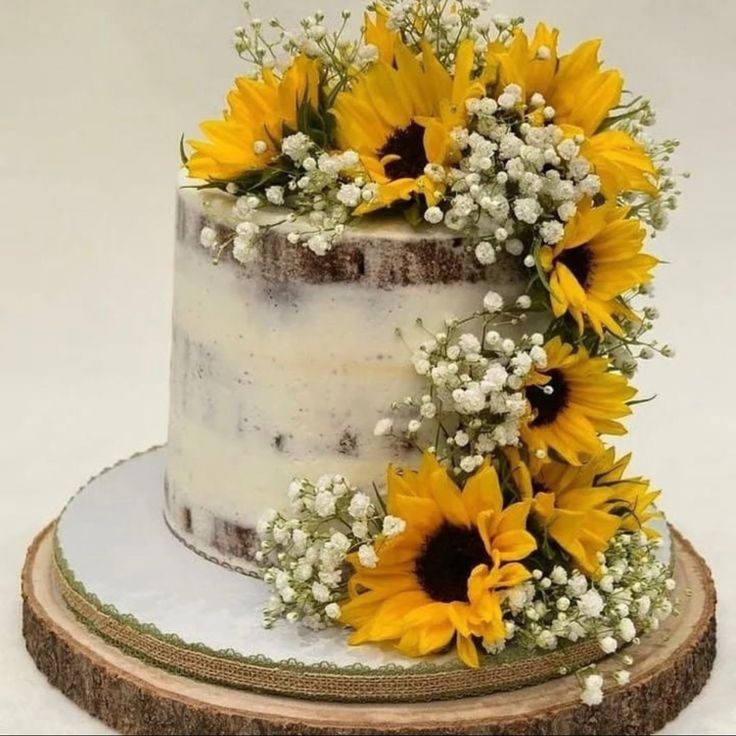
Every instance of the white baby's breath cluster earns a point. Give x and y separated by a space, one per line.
311 207
303 552
319 197
472 400
447 24
636 117
270 44
627 351
516 183
631 597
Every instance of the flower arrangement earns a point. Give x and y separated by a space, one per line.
520 524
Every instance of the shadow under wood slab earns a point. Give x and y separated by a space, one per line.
671 667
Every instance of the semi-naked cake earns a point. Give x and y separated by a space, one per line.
282 367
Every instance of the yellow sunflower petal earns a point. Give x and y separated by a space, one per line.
622 164
434 638
377 33
482 491
511 539
467 651
425 513
511 575
579 78
449 499
514 545
520 473
459 614
574 293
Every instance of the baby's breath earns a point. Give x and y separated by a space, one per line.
303 552
631 599
470 402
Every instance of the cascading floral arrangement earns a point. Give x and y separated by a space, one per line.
521 524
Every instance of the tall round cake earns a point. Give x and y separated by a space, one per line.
281 368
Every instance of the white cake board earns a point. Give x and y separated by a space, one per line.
114 539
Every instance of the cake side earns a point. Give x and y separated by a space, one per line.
282 367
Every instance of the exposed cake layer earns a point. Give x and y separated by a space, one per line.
282 368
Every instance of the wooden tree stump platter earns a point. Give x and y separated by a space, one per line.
671 666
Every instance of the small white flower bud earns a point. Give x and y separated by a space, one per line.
383 427
434 215
414 426
332 611
208 237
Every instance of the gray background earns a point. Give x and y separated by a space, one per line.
93 97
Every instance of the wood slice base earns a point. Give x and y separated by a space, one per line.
670 668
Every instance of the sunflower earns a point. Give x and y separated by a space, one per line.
576 505
598 259
247 137
443 578
400 117
573 400
582 96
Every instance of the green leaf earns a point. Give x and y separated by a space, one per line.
538 265
182 151
641 401
318 125
259 180
413 214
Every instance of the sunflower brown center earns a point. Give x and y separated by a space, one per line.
580 263
408 144
448 558
547 404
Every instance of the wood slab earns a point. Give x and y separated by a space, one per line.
132 697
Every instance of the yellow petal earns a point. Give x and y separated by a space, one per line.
514 545
422 513
467 651
449 499
437 142
511 575
482 491
434 638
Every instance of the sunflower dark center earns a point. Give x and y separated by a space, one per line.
580 263
547 404
448 558
408 144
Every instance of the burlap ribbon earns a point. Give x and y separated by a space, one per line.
325 681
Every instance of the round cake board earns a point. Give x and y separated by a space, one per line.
132 696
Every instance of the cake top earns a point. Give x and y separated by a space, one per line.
227 210
521 523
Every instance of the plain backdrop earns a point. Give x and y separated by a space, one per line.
94 95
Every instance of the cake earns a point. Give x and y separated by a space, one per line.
283 366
